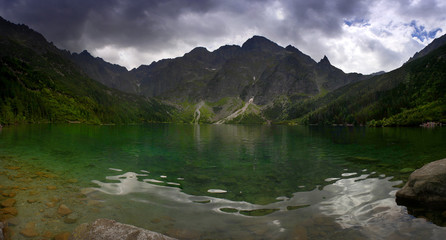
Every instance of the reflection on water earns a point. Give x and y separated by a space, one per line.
242 182
361 207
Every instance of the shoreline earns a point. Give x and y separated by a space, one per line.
36 202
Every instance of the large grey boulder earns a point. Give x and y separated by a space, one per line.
106 229
425 187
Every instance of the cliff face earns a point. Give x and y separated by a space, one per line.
259 68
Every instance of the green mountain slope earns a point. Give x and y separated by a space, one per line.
259 68
38 83
258 82
408 96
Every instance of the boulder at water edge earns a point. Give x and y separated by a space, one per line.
426 186
106 229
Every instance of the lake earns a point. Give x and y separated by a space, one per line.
218 181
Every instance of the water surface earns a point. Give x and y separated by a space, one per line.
223 181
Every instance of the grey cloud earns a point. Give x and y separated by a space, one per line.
75 24
421 9
155 26
326 16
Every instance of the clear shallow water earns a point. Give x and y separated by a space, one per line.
211 182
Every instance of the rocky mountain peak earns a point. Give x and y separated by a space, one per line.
85 53
198 51
438 42
324 61
260 43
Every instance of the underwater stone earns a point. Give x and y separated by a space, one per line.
64 210
103 229
10 202
9 210
426 186
29 230
71 218
62 236
48 234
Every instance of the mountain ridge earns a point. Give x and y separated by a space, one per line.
258 82
229 71
39 83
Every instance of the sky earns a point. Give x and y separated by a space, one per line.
362 36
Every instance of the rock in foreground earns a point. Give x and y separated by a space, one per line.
106 229
425 186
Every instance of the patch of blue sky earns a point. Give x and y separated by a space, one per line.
357 22
420 32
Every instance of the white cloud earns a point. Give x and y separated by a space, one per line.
384 43
130 33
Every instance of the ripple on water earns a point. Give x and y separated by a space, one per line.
216 191
115 169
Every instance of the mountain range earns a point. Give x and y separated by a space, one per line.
259 68
257 82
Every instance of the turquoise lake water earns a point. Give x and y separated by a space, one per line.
221 181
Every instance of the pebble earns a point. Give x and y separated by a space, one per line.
94 203
29 230
9 210
12 167
48 234
10 194
73 180
63 236
12 221
64 210
33 193
51 187
10 202
71 218
50 204
31 200
5 217
86 191
49 215
55 199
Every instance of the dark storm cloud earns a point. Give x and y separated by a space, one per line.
326 16
73 24
153 29
76 24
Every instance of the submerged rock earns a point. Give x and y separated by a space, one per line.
64 210
106 229
71 218
9 210
48 234
29 230
10 202
63 236
425 187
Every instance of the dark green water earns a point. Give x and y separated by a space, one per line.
210 181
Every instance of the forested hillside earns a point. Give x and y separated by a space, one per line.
410 95
39 84
258 82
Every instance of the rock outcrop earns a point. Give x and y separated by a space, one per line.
425 187
106 229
